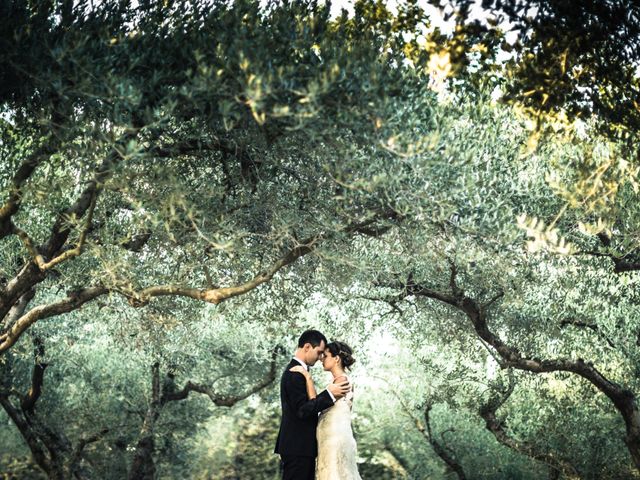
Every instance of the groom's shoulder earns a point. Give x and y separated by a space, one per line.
288 375
289 366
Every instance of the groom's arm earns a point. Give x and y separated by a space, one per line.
296 391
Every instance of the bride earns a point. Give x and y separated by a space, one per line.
336 445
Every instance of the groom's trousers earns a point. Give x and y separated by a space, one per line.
298 468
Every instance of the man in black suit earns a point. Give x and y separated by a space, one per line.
296 441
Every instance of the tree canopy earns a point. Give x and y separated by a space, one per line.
187 185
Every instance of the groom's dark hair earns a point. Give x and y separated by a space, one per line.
314 337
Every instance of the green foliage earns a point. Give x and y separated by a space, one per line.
217 138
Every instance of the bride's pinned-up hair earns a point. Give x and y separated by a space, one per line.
342 350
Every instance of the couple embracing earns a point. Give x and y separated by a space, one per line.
317 424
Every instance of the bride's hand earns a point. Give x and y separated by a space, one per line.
300 369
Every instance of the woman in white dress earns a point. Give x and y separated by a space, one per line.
336 444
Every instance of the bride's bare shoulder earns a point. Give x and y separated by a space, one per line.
341 379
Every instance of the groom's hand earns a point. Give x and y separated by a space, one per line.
339 390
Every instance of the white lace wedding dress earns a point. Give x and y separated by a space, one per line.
336 445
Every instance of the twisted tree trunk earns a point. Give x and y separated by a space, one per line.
623 399
557 466
52 451
143 466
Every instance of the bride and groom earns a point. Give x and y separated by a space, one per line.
317 424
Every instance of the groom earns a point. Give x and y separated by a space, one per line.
296 441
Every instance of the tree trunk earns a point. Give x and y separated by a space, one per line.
143 467
624 400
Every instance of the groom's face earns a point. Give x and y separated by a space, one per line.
315 353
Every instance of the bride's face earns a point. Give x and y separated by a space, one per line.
328 361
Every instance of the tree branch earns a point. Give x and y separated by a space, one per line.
425 430
496 427
65 255
31 439
49 145
493 299
218 295
30 274
24 172
82 443
61 229
623 399
12 204
74 300
581 324
440 450
142 465
621 263
218 399
37 378
142 297
18 309
24 281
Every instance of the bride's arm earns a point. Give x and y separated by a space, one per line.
311 389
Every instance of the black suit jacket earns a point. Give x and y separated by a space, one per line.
297 435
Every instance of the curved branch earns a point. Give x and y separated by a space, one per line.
496 427
142 297
37 450
77 250
73 301
24 281
218 399
82 443
440 450
142 465
626 263
37 378
218 295
18 309
620 264
61 228
31 274
48 147
65 255
623 399
580 324
12 205
425 430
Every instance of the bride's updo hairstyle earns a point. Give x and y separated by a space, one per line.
342 350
